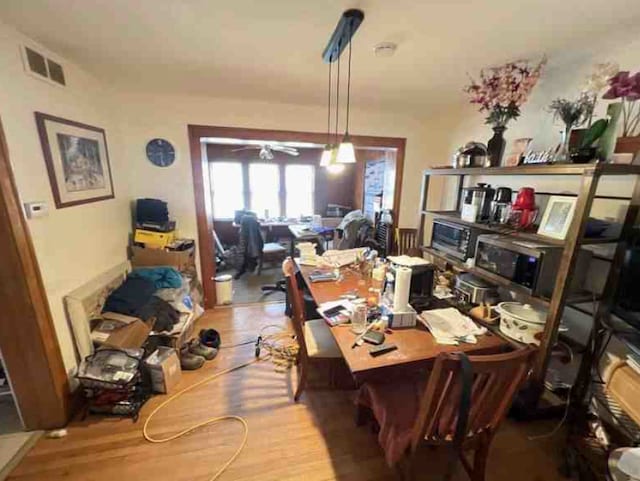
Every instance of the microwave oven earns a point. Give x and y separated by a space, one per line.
530 264
457 240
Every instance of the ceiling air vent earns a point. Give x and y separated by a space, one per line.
42 67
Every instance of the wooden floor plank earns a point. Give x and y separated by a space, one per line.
314 440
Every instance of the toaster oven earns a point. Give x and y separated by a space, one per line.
532 265
457 240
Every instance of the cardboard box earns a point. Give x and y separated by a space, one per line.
164 369
121 331
180 260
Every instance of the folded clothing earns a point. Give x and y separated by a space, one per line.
135 298
163 315
132 294
162 277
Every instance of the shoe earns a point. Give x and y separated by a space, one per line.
210 338
190 361
199 349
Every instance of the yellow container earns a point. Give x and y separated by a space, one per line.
154 240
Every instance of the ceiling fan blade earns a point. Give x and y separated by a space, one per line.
285 149
247 147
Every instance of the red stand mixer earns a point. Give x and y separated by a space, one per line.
523 210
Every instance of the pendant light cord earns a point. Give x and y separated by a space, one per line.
329 109
346 130
337 100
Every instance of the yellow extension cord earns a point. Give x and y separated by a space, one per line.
280 353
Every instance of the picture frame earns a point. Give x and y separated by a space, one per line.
518 149
77 160
557 217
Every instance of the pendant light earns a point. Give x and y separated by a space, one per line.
346 151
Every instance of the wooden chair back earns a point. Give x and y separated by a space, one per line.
496 379
406 241
297 304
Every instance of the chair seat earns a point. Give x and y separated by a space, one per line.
319 340
395 406
273 248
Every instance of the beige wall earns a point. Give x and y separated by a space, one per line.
143 117
76 243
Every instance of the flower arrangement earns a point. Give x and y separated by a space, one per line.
572 112
626 87
597 81
501 91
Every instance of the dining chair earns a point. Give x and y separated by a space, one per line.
433 412
406 241
316 343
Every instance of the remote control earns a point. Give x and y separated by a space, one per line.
382 349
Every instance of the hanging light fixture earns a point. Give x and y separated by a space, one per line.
335 167
346 151
334 156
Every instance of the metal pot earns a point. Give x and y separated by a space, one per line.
521 321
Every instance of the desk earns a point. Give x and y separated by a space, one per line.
416 346
305 233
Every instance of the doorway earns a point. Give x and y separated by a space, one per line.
246 149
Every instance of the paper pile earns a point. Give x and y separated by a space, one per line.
450 326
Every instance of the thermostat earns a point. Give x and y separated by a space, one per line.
34 210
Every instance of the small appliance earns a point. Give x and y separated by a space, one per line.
455 239
533 266
523 210
473 290
476 206
501 205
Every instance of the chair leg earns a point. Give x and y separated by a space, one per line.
302 381
480 462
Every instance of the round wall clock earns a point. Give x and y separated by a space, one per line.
160 152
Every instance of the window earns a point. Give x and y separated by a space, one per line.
263 193
299 187
264 189
227 186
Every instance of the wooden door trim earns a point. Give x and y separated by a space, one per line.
27 335
202 194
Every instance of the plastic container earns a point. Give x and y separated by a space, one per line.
224 289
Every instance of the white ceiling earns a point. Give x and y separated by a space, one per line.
271 49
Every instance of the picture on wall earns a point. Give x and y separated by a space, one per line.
77 160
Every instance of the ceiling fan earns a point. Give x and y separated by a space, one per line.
266 150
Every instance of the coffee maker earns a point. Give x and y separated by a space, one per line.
501 205
476 205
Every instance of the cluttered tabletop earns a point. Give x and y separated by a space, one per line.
341 287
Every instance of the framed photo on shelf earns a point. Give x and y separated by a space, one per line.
557 216
77 160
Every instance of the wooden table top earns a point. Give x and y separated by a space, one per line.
416 345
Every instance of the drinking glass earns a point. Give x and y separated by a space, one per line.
359 318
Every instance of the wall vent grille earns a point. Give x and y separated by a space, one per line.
42 67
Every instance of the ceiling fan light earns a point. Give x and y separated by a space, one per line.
346 151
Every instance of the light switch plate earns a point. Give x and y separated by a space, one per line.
33 210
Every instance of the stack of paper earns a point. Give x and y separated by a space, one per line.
450 326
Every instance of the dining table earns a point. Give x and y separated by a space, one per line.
416 346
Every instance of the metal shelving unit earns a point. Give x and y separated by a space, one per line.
590 175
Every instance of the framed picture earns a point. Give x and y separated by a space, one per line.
518 149
77 160
557 216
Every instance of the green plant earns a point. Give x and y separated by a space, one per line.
593 133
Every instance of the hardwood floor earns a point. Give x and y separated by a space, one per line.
315 439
